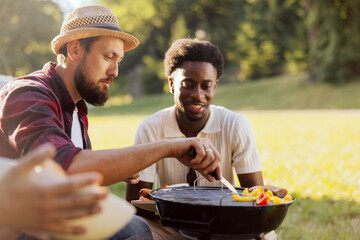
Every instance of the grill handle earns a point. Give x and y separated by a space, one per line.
192 153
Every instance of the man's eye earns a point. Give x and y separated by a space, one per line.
186 84
108 57
205 87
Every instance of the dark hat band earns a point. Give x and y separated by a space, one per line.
100 25
102 20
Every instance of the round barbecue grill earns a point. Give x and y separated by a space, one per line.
211 212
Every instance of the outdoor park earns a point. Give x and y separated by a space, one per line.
291 67
314 153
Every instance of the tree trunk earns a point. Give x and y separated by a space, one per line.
136 82
312 32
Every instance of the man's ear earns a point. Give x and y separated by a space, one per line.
171 84
73 50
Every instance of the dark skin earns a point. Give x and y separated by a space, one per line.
193 86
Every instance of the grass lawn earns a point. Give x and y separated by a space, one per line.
314 154
284 92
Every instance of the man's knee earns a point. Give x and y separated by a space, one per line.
140 225
136 229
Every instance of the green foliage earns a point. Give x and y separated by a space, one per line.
25 39
271 32
150 21
336 29
153 81
258 38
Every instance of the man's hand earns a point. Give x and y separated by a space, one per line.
134 179
207 157
29 203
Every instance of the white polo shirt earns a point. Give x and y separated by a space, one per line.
230 133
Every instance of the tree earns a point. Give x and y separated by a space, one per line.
27 28
334 38
258 38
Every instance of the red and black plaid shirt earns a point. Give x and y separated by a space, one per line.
37 109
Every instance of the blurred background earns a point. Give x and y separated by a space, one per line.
258 38
291 67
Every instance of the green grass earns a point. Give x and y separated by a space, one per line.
288 92
313 153
284 92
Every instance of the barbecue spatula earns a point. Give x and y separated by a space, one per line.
192 153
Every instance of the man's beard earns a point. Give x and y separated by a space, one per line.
88 90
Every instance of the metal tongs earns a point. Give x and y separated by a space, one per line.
192 153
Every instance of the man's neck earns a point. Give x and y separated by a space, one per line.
188 127
67 75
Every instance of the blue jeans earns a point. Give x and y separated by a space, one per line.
136 229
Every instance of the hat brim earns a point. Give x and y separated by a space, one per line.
130 42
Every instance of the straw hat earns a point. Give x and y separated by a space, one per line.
91 21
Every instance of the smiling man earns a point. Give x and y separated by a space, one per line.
193 68
49 106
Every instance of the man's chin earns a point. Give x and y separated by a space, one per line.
195 117
97 103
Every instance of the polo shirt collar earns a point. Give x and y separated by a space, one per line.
172 130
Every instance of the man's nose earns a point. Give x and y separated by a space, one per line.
113 70
197 92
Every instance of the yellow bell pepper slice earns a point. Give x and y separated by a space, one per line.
256 193
270 195
242 198
288 198
278 200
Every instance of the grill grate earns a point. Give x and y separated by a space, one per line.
210 196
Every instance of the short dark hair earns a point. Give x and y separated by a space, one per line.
86 42
194 50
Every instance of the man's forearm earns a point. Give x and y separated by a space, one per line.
119 164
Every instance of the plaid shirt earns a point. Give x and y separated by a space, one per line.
37 109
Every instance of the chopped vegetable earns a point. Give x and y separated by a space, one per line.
242 198
263 199
256 193
270 195
277 200
288 198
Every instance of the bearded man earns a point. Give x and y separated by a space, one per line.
48 106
